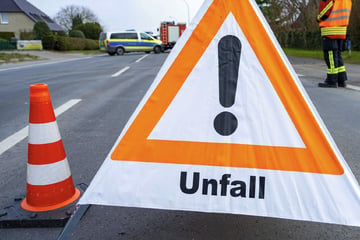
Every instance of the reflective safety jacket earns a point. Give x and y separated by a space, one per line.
333 18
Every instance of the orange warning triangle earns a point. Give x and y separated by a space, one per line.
318 155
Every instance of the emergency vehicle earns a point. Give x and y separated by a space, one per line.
170 33
128 41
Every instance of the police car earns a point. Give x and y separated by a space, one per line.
128 41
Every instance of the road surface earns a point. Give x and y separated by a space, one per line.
109 89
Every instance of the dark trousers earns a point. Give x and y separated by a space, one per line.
336 72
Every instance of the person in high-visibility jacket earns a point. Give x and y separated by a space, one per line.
333 18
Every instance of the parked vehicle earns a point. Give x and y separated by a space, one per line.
128 41
170 33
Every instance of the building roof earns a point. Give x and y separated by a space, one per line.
8 6
32 12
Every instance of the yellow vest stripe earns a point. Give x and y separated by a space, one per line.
326 31
322 13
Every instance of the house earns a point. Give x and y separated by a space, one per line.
20 15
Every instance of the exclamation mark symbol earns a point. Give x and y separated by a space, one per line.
229 51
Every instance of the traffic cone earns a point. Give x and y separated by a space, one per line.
49 181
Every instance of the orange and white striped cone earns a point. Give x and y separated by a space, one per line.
49 181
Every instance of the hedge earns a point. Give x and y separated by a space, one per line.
310 40
6 35
300 40
76 34
61 43
91 30
27 35
355 40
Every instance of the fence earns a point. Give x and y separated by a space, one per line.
7 45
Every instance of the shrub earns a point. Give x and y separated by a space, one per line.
91 45
26 35
91 30
41 30
61 33
7 35
77 43
300 40
62 44
49 42
76 34
68 43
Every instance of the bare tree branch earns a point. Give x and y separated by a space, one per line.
66 15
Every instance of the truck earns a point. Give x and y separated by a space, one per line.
170 33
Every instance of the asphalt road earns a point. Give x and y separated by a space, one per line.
90 128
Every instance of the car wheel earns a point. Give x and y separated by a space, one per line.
157 49
120 51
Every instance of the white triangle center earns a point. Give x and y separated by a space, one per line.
262 118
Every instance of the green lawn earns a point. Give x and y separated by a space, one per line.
317 54
21 57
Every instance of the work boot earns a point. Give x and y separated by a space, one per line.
342 84
327 85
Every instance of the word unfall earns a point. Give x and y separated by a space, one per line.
255 187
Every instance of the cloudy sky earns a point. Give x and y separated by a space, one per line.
143 15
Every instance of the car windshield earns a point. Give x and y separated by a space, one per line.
144 36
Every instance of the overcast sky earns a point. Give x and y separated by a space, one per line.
143 15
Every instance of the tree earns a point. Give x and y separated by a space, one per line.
292 21
41 30
91 30
274 13
76 21
66 16
354 26
296 20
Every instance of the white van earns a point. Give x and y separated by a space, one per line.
128 41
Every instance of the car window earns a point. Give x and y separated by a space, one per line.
145 36
131 36
124 36
115 36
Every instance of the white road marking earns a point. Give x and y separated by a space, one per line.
66 106
120 72
11 141
353 87
15 138
35 63
142 58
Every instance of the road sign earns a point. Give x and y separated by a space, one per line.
227 127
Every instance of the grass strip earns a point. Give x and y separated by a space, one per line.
8 57
349 57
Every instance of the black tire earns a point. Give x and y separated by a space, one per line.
157 49
120 51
